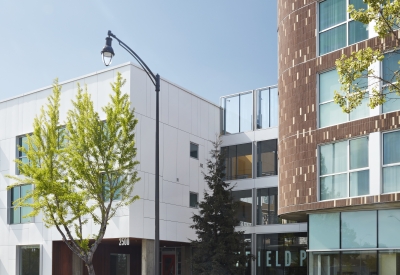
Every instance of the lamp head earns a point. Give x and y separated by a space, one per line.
107 53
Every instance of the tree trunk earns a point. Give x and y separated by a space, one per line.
90 268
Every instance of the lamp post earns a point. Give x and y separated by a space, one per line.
107 54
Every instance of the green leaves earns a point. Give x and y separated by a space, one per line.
85 170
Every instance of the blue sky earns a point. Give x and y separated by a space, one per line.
211 47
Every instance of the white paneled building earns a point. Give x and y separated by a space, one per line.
187 125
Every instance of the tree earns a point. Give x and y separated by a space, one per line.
219 249
353 68
82 171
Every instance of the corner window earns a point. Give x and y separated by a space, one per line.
238 113
193 200
330 113
267 158
244 212
194 150
344 170
17 213
391 162
336 28
390 67
267 108
28 260
238 161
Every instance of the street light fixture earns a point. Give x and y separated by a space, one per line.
107 54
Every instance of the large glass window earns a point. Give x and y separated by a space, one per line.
282 253
267 108
358 230
391 162
267 206
17 213
238 113
119 264
389 226
344 169
22 141
238 161
322 225
244 211
331 113
390 67
267 158
29 260
336 28
325 263
389 262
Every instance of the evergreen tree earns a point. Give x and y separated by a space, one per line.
219 249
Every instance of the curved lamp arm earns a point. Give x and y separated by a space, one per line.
154 78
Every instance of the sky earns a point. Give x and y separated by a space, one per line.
210 47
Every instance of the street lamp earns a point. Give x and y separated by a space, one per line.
107 54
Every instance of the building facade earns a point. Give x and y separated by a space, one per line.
250 145
339 172
187 125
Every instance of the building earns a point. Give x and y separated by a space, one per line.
249 142
187 124
339 172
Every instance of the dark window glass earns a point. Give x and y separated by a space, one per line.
267 206
244 211
359 262
194 150
119 264
247 241
282 253
17 213
238 161
325 263
29 260
267 154
194 200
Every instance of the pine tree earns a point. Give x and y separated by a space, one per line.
219 249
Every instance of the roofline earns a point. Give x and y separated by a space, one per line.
102 71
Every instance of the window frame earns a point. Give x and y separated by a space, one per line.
197 152
383 85
383 166
252 162
275 159
197 200
19 256
11 208
348 171
346 22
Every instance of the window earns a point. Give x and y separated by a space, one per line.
193 200
106 186
391 162
28 260
330 113
244 212
267 108
390 67
119 264
336 28
344 169
238 113
17 213
194 150
238 161
22 141
267 158
267 206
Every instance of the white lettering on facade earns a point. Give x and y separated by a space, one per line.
303 256
276 259
288 258
123 241
268 258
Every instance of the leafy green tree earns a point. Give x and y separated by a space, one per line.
219 249
353 68
83 171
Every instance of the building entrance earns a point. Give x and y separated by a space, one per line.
171 261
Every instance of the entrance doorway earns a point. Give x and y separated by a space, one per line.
119 264
171 261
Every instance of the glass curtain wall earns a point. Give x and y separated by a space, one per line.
245 208
267 206
238 113
282 254
238 161
267 108
267 158
336 28
369 240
